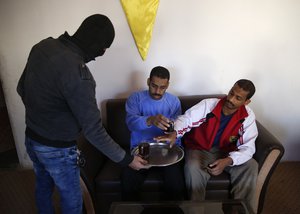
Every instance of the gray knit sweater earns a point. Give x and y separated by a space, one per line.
58 92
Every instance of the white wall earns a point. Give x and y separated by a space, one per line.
206 44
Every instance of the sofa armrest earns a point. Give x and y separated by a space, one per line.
269 152
265 144
95 160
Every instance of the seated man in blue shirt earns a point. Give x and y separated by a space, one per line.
148 115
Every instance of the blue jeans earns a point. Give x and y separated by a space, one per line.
55 167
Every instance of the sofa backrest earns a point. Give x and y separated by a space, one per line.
116 114
115 122
189 101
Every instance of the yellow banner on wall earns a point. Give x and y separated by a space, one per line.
141 17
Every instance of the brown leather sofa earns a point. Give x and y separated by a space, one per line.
102 176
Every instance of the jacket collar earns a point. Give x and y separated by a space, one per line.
70 42
240 114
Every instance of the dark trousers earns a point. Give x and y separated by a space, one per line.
174 184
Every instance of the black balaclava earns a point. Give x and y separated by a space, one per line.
95 34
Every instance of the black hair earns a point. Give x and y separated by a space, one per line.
246 85
160 72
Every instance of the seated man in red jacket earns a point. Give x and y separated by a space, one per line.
220 136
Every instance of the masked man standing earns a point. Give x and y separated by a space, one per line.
58 92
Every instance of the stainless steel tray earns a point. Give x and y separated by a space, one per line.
161 154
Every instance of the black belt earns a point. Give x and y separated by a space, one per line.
47 142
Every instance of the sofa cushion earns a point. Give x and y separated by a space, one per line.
109 180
